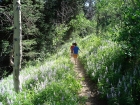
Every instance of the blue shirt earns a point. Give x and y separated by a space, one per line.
75 50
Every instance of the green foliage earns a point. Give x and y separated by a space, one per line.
121 20
60 31
100 53
30 14
81 24
29 49
55 93
29 17
104 63
51 82
108 15
104 60
4 48
129 34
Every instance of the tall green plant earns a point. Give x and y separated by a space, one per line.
129 34
81 24
30 15
108 14
60 31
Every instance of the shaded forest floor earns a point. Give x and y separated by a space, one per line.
89 88
5 71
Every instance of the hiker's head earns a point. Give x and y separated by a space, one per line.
75 44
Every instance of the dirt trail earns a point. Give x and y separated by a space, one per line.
89 88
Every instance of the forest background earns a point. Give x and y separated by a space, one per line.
48 24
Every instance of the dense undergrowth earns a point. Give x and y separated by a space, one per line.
54 83
104 61
50 83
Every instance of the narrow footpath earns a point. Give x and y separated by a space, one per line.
89 88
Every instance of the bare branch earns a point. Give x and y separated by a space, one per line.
65 13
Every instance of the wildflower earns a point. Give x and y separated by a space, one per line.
106 69
125 89
119 68
113 65
134 72
93 74
112 89
107 95
12 102
102 58
112 95
118 85
105 72
1 103
123 78
115 95
130 80
8 101
88 63
134 82
43 77
25 95
31 85
119 81
124 84
128 85
102 88
14 97
107 80
119 93
98 92
100 75
98 79
62 98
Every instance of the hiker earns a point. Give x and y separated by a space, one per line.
75 52
71 49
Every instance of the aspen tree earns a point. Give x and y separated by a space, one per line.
17 47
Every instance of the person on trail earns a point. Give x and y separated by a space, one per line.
75 52
71 49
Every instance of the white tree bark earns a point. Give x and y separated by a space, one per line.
17 38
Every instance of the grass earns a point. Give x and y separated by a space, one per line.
54 82
103 59
50 83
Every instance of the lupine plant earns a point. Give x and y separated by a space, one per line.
50 83
103 62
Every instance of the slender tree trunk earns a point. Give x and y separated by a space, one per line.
17 44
